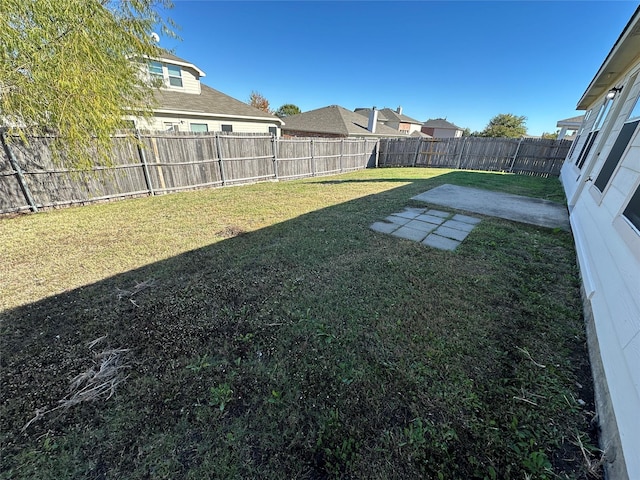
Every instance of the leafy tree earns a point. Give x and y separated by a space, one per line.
466 132
68 67
505 125
288 109
553 135
256 100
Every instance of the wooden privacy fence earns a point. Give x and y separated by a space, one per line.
529 156
162 162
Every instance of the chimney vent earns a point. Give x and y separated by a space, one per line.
373 120
399 110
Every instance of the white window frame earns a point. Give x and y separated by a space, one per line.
206 127
172 77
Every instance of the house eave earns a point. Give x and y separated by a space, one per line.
216 115
177 62
625 52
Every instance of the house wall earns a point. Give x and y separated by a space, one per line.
442 132
190 78
414 127
608 250
183 124
190 81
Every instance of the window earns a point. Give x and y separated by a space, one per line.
171 126
595 129
620 145
632 212
175 75
273 131
155 70
199 127
227 128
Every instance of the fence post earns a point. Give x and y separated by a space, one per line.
313 162
21 180
461 150
145 167
513 160
377 147
274 144
224 182
415 158
341 155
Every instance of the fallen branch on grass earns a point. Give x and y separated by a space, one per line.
531 358
137 288
98 381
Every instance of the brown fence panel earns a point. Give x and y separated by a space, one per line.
294 158
246 158
326 156
177 160
529 156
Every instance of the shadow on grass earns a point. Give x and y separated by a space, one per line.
314 348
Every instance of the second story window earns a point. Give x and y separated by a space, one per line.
175 75
155 70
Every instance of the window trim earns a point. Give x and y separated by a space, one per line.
206 127
629 234
174 77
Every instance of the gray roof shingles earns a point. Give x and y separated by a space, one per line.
209 101
440 123
335 120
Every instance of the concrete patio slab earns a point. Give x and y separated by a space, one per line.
533 211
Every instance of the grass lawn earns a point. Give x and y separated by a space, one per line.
265 332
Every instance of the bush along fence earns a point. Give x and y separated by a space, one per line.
162 162
529 156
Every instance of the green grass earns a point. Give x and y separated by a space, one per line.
271 334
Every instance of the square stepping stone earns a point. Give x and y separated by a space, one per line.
451 233
438 213
383 227
466 219
436 241
408 214
423 226
410 233
397 220
465 227
425 217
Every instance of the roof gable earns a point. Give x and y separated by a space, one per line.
440 123
174 59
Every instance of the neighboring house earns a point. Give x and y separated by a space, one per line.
393 119
440 128
186 104
601 178
570 125
336 121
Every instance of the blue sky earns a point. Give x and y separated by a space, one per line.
464 61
